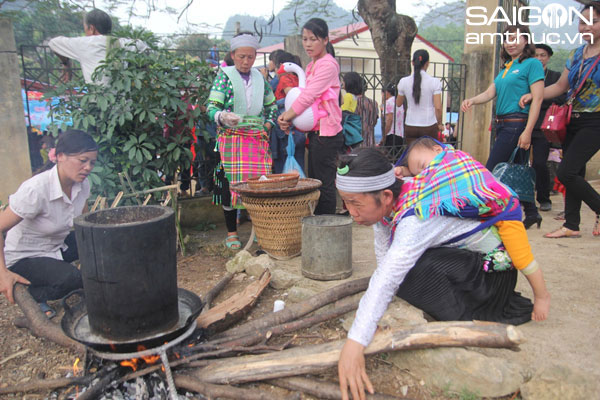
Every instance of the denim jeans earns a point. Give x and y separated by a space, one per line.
507 139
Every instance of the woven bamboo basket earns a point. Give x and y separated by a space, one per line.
274 181
277 222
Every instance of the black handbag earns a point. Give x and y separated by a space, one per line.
519 177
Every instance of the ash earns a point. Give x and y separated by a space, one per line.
150 387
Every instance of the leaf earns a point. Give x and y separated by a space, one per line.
132 153
147 154
171 146
142 137
142 115
139 157
176 154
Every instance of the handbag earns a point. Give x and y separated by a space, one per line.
558 117
519 177
291 165
351 128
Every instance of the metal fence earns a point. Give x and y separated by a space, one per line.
41 70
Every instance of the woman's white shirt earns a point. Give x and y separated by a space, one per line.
413 236
47 214
422 114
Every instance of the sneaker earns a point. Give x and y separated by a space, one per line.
546 206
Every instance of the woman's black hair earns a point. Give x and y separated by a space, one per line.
528 51
419 59
366 162
71 142
297 60
99 20
391 88
283 58
274 55
320 29
354 83
228 59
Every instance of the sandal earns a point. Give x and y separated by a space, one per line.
47 310
563 232
233 242
596 231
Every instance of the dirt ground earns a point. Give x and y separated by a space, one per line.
568 337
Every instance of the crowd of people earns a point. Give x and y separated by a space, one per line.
442 221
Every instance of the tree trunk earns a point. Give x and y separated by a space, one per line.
392 35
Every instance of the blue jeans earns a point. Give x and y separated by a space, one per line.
507 138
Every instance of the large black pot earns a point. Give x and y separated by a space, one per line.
129 269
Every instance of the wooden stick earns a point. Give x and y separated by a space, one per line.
251 240
315 358
99 387
167 199
158 189
147 199
117 200
321 389
137 196
258 336
298 310
214 292
47 384
39 324
103 203
14 355
221 391
234 308
96 203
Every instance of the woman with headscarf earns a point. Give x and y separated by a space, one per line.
242 105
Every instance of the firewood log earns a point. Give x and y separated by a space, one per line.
315 358
39 324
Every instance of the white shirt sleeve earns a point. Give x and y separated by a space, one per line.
381 235
26 202
401 91
413 236
66 46
436 86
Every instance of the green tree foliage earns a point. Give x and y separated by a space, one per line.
449 38
142 120
45 19
558 59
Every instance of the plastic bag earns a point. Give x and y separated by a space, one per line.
291 165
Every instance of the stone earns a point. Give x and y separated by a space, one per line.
559 382
298 294
238 263
281 279
462 371
399 314
257 265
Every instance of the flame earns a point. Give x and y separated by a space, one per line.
130 363
76 367
148 359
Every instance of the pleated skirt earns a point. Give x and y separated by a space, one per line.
450 285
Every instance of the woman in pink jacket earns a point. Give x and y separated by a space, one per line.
325 144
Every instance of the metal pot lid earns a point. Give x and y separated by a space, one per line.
76 325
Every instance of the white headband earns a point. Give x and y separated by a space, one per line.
244 40
365 184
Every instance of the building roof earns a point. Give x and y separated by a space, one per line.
345 32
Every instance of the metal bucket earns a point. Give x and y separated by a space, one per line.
327 247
